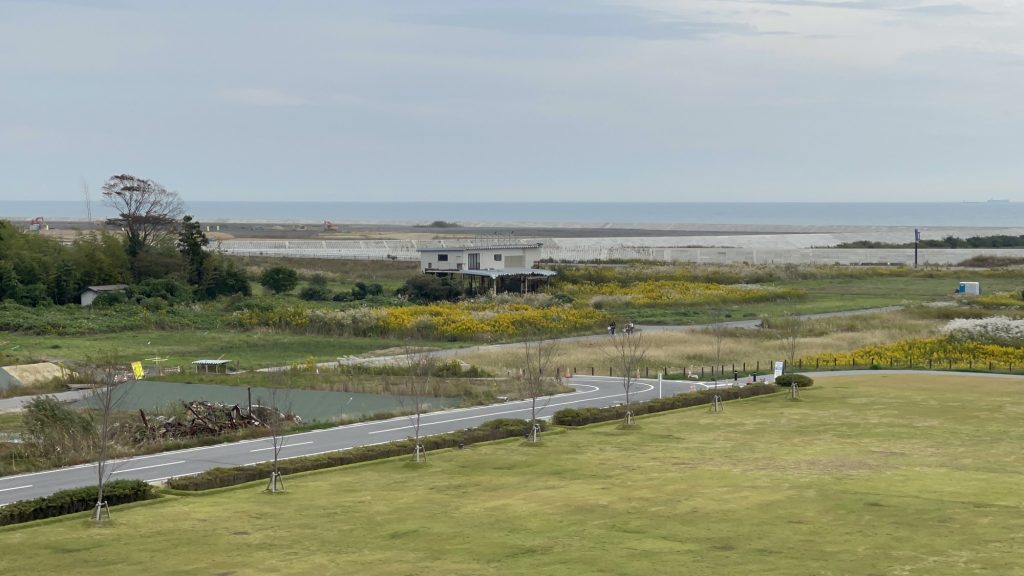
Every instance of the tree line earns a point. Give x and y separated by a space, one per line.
158 250
995 241
162 255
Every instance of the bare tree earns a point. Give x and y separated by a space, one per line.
147 211
789 330
538 359
416 389
276 417
719 330
627 352
112 384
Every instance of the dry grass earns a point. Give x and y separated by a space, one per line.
679 350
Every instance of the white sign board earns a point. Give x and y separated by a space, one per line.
778 368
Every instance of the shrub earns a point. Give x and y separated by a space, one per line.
428 288
221 477
279 279
109 299
74 500
315 293
154 304
994 330
801 380
584 416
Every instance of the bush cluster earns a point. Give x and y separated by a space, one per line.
801 380
584 416
222 477
74 500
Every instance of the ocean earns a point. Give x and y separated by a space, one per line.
947 214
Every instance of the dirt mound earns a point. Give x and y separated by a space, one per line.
34 374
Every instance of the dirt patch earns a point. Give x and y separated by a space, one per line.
34 374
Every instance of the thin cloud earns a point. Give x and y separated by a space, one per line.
263 97
552 19
949 9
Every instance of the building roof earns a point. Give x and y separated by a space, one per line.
497 273
106 288
210 362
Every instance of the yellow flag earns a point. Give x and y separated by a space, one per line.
137 369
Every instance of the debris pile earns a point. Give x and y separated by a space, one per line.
209 419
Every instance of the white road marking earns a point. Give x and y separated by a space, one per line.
15 488
147 467
285 446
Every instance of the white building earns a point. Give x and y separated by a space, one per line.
491 259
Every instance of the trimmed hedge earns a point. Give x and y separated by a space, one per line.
74 500
223 477
801 380
584 416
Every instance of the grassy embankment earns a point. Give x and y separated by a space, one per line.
865 475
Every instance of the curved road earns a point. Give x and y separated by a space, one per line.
597 391
590 391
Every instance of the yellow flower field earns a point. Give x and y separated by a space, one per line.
926 352
659 292
447 321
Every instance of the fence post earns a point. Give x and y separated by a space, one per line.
591 370
701 372
609 370
647 371
758 367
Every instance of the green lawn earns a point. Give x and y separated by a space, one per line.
866 475
181 347
10 422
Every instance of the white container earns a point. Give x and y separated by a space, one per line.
969 288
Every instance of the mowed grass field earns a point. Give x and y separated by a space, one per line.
179 348
871 474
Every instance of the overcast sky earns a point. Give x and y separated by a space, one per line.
630 100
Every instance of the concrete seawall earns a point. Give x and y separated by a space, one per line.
784 248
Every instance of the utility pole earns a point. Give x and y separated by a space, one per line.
88 200
917 241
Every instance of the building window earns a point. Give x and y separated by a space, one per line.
497 257
442 257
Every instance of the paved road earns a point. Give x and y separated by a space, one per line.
590 391
17 404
